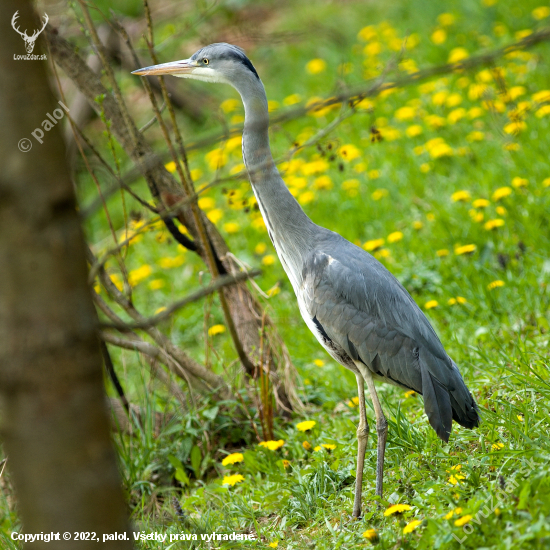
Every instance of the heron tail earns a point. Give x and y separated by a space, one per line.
444 403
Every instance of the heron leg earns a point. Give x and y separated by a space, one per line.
362 436
381 430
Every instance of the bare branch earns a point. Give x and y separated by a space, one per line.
214 286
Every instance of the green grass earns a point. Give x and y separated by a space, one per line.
497 474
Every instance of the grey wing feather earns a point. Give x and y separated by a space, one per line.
364 310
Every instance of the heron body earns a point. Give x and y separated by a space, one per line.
358 311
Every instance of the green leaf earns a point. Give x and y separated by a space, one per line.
196 459
182 477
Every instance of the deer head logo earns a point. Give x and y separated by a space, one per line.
29 40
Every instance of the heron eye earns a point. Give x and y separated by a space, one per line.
205 61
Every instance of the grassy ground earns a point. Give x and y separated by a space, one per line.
454 200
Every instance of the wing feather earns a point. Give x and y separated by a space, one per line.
365 311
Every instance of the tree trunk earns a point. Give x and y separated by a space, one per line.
54 422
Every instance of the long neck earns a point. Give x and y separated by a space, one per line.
290 230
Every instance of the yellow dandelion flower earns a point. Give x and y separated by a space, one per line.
292 99
230 105
397 509
520 182
215 215
454 116
170 166
542 12
168 263
461 300
232 480
314 167
318 448
231 227
511 146
379 194
155 284
372 49
374 174
410 393
268 260
455 479
322 182
373 244
349 152
306 198
418 225
541 96
501 211
206 203
431 304
382 253
306 425
501 193
453 100
546 182
414 130
438 36
411 526
328 446
446 19
216 329
367 33
462 521
514 128
520 417
442 253
318 362
286 463
439 97
395 236
458 54
275 543
463 196
493 224
476 135
495 284
137 275
353 402
232 459
465 249
316 66
441 150
272 445
350 185
260 248
451 301
481 203
405 113
216 159
425 167
306 445
371 535
449 515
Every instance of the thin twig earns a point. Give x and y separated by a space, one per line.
214 286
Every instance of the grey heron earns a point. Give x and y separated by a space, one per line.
359 312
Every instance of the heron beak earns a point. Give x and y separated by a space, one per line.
176 68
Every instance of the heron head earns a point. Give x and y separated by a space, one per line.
214 63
